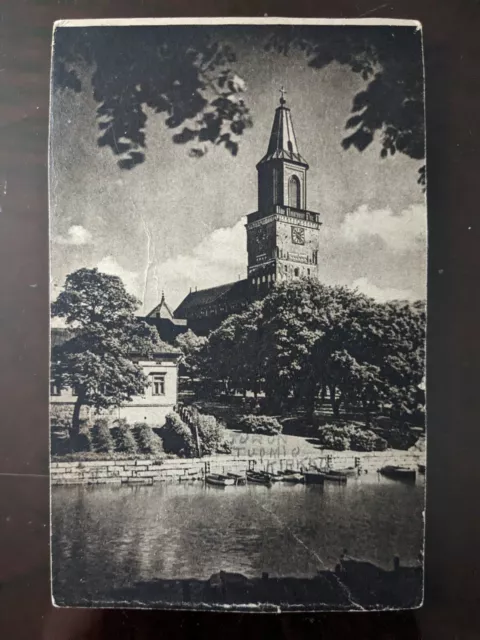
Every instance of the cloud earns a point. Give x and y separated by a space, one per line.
382 294
399 232
76 235
130 279
219 258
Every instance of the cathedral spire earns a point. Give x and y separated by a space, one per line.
283 143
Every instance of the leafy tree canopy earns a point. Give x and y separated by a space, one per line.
184 75
189 76
306 339
96 360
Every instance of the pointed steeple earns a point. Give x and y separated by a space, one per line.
283 143
162 310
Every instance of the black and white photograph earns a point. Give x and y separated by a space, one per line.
238 257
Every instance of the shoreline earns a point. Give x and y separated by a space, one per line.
149 470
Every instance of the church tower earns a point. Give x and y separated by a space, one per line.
282 236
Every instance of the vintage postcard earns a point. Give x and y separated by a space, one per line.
238 303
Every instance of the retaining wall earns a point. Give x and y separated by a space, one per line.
148 471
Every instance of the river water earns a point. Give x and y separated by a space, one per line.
108 537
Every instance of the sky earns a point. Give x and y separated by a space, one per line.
174 222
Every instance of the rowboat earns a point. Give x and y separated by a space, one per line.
347 471
313 477
219 480
332 476
237 478
400 473
335 477
259 477
291 476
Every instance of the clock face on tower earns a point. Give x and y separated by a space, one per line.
298 235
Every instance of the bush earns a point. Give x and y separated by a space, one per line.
177 437
123 438
341 438
400 438
101 437
335 441
366 440
212 435
264 425
83 442
146 440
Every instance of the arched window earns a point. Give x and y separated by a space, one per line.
294 192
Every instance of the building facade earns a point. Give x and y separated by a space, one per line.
283 236
159 398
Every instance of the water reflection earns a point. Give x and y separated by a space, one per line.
109 537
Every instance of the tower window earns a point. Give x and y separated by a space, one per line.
290 146
294 192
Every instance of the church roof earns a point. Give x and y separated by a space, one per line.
223 293
283 143
162 310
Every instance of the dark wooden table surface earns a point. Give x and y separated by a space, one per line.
452 610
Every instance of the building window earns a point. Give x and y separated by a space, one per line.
308 271
294 192
158 384
54 389
297 272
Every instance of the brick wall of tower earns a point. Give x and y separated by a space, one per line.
291 256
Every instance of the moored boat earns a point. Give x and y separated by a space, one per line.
347 471
259 477
219 480
332 476
292 476
398 472
237 478
313 477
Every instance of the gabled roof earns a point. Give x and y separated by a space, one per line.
224 293
283 143
162 310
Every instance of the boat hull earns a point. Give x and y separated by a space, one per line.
398 473
313 477
258 478
219 481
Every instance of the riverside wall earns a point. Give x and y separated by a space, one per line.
149 471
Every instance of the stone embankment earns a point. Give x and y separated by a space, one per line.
148 470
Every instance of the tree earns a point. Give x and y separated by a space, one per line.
235 352
305 323
190 345
96 361
185 75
